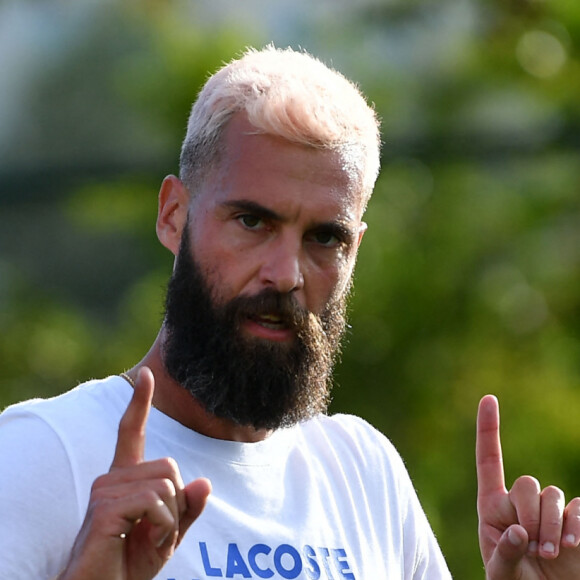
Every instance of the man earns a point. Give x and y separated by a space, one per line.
103 482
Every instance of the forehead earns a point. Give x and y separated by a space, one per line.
281 173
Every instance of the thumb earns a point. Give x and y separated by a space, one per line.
506 560
196 493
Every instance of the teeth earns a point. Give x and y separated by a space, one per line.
271 317
271 321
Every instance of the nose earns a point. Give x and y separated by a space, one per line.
281 268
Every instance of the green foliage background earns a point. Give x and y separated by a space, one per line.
468 278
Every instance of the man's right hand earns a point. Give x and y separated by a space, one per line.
138 512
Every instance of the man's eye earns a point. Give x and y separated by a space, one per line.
327 239
250 221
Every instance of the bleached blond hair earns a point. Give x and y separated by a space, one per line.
288 94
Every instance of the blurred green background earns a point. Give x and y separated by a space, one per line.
468 278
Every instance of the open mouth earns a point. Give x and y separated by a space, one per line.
271 321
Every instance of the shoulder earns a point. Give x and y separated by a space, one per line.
373 471
51 450
352 439
348 430
101 400
78 426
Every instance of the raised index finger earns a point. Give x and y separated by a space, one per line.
131 436
490 475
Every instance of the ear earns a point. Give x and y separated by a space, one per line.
361 232
172 212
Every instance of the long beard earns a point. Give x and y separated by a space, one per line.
250 381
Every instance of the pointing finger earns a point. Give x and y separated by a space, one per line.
490 474
131 436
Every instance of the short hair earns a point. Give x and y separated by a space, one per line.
288 94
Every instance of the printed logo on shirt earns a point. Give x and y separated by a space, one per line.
283 561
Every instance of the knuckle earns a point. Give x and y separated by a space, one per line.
553 491
530 522
169 464
167 487
167 468
553 495
98 496
150 496
101 511
573 519
527 483
525 492
99 483
552 523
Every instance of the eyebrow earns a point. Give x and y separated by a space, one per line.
253 208
338 228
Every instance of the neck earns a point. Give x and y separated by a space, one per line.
176 402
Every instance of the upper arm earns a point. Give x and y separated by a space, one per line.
38 505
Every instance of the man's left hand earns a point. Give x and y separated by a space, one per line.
526 533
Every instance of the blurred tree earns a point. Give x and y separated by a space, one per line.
468 280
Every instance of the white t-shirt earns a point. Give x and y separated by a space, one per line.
328 499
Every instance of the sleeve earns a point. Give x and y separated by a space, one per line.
422 555
390 485
422 552
39 515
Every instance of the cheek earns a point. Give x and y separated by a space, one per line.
343 283
227 260
211 248
334 282
345 274
227 273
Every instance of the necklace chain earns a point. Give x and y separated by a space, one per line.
132 383
128 379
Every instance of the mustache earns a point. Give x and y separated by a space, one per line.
270 302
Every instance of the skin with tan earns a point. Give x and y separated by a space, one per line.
275 215
525 533
279 215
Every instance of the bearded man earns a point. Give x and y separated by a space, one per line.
265 219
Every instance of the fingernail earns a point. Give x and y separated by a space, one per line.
514 538
548 547
533 546
570 539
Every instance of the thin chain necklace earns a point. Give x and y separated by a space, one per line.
132 383
128 379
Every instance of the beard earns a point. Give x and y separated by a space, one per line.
250 381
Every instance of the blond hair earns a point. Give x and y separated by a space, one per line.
288 94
